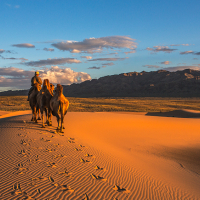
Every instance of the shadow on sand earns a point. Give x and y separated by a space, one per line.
176 113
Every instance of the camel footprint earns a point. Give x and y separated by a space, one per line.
98 177
118 189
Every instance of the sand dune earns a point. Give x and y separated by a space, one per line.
100 156
177 113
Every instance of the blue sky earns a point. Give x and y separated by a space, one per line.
73 41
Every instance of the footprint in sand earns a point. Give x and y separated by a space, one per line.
41 177
58 145
24 142
59 156
118 189
20 169
45 140
98 168
86 197
89 155
66 173
21 135
77 149
38 191
81 145
98 177
66 188
71 141
51 179
51 164
50 150
84 161
17 189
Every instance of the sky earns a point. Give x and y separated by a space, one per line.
71 41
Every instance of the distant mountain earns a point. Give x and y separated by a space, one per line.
14 93
160 83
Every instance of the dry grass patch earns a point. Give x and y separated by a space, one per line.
129 104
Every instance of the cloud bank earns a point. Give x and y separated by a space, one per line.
180 68
165 62
55 61
152 66
48 49
190 52
96 45
24 45
157 49
108 59
21 79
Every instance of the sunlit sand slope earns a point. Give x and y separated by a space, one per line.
100 156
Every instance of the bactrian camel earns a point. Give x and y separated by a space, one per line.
43 101
59 105
33 102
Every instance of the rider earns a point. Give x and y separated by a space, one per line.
35 79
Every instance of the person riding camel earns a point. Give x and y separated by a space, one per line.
35 79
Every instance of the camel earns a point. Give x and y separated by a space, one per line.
59 105
43 102
33 102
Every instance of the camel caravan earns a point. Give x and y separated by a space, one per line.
43 99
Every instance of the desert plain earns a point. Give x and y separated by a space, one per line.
101 156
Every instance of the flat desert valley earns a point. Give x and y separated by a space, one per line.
101 156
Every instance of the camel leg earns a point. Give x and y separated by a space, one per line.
58 120
50 117
35 114
61 127
39 115
43 126
62 118
32 119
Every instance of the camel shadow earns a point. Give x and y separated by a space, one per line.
176 113
24 122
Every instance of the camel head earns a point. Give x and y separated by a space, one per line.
46 84
51 88
59 89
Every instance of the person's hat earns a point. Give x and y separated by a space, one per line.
37 73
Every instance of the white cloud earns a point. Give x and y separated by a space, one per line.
151 66
164 49
55 61
12 58
21 79
165 62
108 64
180 44
94 67
2 50
187 52
87 57
190 52
48 49
180 68
24 45
75 51
94 45
108 59
127 52
64 76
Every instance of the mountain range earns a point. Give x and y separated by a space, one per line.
159 83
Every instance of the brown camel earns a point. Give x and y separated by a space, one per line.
43 102
59 105
33 102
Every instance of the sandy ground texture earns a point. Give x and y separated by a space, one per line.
101 156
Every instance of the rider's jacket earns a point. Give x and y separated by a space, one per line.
36 79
